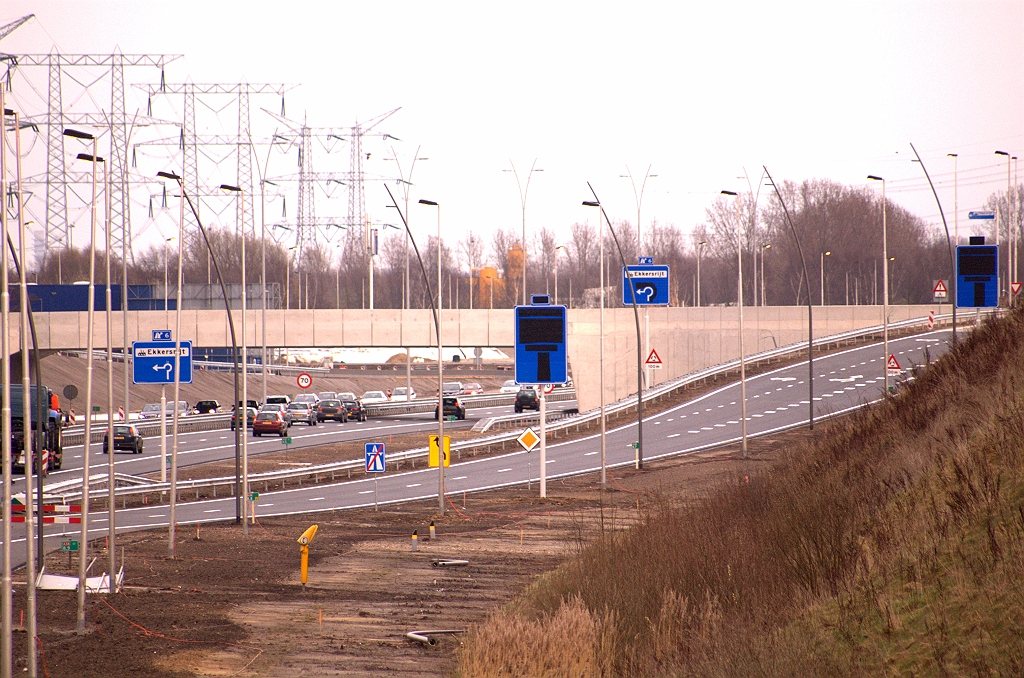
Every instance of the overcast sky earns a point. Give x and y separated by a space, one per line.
700 92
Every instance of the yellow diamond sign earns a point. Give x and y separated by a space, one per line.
528 439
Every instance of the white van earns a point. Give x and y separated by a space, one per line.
278 400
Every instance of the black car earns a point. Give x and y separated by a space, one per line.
527 399
331 409
126 437
250 415
354 409
452 407
302 412
206 407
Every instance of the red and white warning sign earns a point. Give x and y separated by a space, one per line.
939 289
893 365
304 380
653 360
1015 288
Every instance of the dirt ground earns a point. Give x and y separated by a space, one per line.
231 605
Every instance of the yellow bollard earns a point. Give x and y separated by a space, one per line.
415 539
433 535
304 541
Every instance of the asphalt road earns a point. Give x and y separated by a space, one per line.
776 400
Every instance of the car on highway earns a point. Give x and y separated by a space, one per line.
327 395
374 397
527 399
269 422
278 400
126 437
310 398
250 415
332 409
280 409
451 388
472 388
152 410
204 407
347 395
255 404
509 386
302 413
354 409
452 407
400 396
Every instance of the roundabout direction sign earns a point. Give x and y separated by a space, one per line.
304 380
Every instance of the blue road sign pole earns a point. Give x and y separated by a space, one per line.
375 464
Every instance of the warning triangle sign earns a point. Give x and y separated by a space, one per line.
653 358
940 287
1015 287
893 364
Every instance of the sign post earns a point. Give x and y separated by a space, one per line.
375 463
541 357
939 290
304 380
528 439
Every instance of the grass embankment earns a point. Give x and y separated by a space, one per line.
891 544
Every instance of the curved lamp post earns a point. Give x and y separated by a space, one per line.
234 345
596 202
522 201
739 305
885 288
810 307
945 226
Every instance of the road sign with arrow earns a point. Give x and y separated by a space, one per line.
154 362
649 282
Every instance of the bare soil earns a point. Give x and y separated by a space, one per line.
230 604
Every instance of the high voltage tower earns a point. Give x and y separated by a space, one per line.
307 222
95 75
192 144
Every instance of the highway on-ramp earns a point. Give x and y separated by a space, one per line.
776 400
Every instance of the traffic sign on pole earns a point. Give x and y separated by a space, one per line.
541 356
375 460
1015 288
161 335
528 439
893 365
304 380
939 290
653 360
649 282
432 457
154 362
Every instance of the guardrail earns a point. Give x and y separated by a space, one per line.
316 473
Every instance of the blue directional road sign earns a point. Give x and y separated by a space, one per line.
541 356
375 458
650 284
977 283
645 261
161 335
154 362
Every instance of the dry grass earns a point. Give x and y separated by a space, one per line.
890 545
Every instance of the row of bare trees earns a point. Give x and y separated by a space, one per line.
840 229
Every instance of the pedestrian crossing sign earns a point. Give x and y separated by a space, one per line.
375 458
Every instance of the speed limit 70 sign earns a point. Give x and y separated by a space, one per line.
304 380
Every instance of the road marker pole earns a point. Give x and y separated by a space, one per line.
543 446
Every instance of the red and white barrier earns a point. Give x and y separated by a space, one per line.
120 412
71 417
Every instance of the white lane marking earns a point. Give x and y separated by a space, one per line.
758 415
675 435
503 470
719 425
262 505
847 380
781 408
783 378
705 428
850 388
732 403
757 396
414 485
589 454
552 461
693 431
312 498
657 423
159 515
212 511
827 395
732 421
671 419
769 411
837 392
366 492
795 404
203 440
459 478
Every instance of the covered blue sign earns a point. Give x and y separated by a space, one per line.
541 356
977 278
650 284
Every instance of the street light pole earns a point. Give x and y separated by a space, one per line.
440 369
700 251
739 304
7 606
1009 247
885 288
522 201
823 255
242 420
560 247
86 448
764 287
